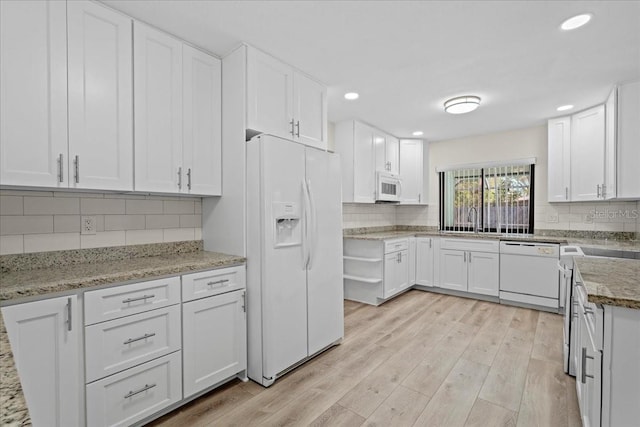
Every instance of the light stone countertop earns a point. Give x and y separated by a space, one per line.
611 281
42 282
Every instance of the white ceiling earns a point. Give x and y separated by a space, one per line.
405 58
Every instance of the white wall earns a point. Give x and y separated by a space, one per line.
504 146
40 221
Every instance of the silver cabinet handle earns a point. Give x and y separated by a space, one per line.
76 173
298 128
465 256
469 257
60 169
145 388
419 198
189 178
143 297
430 240
291 131
566 193
144 337
588 310
584 365
244 302
598 191
180 177
217 282
69 319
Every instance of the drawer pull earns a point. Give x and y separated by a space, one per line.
143 297
219 282
144 337
145 388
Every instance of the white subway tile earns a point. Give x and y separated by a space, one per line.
190 221
51 206
11 244
33 224
104 239
198 207
102 206
11 205
66 223
630 227
179 234
198 233
179 207
51 242
141 237
163 221
609 226
124 222
26 193
135 207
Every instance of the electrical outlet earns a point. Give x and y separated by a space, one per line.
552 217
88 225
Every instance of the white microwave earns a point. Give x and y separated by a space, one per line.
388 187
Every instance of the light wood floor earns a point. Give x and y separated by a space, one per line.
421 359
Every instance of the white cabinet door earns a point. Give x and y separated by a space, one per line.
214 340
587 154
269 95
391 285
453 269
44 341
483 273
157 68
412 260
411 172
424 261
202 130
100 98
610 146
380 149
310 111
559 152
402 272
33 88
628 141
392 148
364 185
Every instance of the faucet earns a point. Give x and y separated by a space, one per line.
475 218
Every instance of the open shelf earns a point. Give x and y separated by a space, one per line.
356 258
362 279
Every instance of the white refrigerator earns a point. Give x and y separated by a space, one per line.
294 255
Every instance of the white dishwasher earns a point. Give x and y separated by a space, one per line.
529 274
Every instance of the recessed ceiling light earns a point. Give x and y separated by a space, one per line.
462 104
418 133
351 96
576 21
565 108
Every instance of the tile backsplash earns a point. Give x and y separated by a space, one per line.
39 221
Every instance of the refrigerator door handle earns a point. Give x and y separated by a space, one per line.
311 230
305 231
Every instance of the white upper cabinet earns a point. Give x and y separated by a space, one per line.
412 172
354 141
628 141
587 154
387 152
33 93
393 154
202 137
158 110
100 98
559 160
284 102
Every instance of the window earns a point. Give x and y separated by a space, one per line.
489 199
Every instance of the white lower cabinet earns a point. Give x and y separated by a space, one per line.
214 340
426 248
453 269
134 394
396 272
467 270
44 337
483 273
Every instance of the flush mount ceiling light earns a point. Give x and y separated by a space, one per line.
351 96
576 21
462 104
418 133
565 108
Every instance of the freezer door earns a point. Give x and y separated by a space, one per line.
284 278
324 275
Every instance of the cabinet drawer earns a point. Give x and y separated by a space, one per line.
477 245
214 282
395 245
119 344
119 301
132 395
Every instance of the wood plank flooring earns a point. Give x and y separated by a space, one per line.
421 359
